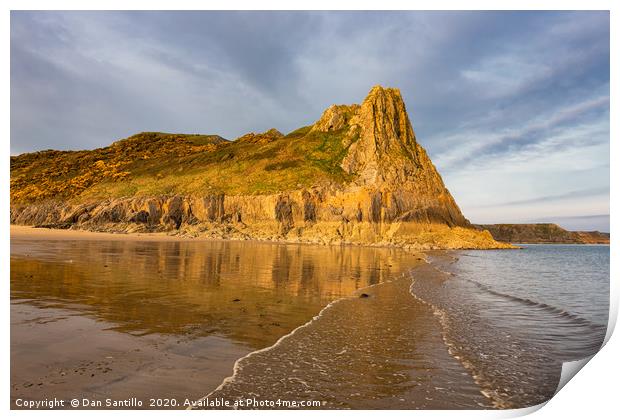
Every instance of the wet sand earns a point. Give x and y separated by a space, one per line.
134 316
111 318
59 354
384 351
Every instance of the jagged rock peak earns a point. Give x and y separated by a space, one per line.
336 117
378 91
385 146
384 114
384 156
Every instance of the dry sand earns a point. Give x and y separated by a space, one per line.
30 232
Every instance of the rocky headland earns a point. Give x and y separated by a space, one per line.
356 176
543 233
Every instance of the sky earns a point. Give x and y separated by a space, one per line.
512 107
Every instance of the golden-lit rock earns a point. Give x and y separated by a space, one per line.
357 176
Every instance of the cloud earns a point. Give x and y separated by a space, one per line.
598 222
556 197
511 106
475 146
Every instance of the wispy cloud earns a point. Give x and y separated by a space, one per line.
475 146
598 222
511 106
555 197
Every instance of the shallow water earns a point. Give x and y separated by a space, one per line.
187 309
473 329
513 317
381 352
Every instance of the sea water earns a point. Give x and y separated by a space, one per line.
351 327
513 317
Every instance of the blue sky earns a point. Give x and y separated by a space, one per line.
513 107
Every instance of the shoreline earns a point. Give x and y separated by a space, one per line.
113 362
344 338
199 404
236 385
32 232
45 233
122 365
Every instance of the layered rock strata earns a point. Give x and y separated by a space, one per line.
393 195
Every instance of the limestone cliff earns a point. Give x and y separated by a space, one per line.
358 175
543 233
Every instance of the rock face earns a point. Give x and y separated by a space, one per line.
407 187
393 195
593 237
543 233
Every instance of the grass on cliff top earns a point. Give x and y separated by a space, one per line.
159 163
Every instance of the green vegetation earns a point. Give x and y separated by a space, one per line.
159 163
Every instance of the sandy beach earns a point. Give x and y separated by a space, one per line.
30 232
59 349
58 353
100 315
121 316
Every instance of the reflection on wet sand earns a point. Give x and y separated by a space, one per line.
381 352
148 312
